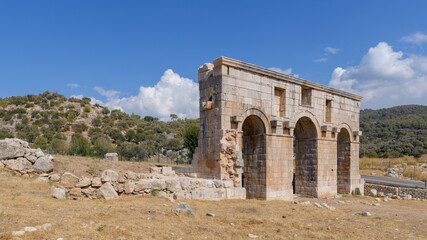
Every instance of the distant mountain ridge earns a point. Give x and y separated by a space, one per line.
394 132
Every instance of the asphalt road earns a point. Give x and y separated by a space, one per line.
393 181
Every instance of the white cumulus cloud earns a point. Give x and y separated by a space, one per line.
331 50
172 94
385 78
416 38
321 60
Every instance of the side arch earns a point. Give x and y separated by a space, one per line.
254 157
260 114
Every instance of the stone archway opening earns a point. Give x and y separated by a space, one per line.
254 156
343 161
305 158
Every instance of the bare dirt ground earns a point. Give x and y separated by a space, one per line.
26 202
91 166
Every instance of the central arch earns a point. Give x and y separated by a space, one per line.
305 161
254 156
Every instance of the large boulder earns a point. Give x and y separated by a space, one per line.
69 180
18 164
43 165
107 191
109 176
12 148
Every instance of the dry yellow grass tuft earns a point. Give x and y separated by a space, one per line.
25 202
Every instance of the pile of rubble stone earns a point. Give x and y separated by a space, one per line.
17 155
160 182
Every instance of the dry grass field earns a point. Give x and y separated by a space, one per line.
26 202
378 166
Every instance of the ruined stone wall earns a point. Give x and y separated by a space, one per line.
396 191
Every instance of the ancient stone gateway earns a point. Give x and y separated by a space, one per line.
276 135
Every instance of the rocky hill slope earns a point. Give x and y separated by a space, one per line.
56 124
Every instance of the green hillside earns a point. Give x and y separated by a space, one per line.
394 132
56 124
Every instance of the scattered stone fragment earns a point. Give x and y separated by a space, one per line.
317 205
250 235
365 214
373 192
305 203
378 199
183 207
327 206
152 211
30 229
376 204
46 226
210 214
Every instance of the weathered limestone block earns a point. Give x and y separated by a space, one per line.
88 192
158 184
111 156
129 187
18 164
59 193
69 180
109 176
31 158
96 182
155 170
142 185
11 148
167 171
76 192
39 153
173 185
43 165
107 191
131 175
208 194
84 182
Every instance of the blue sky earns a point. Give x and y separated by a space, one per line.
131 54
